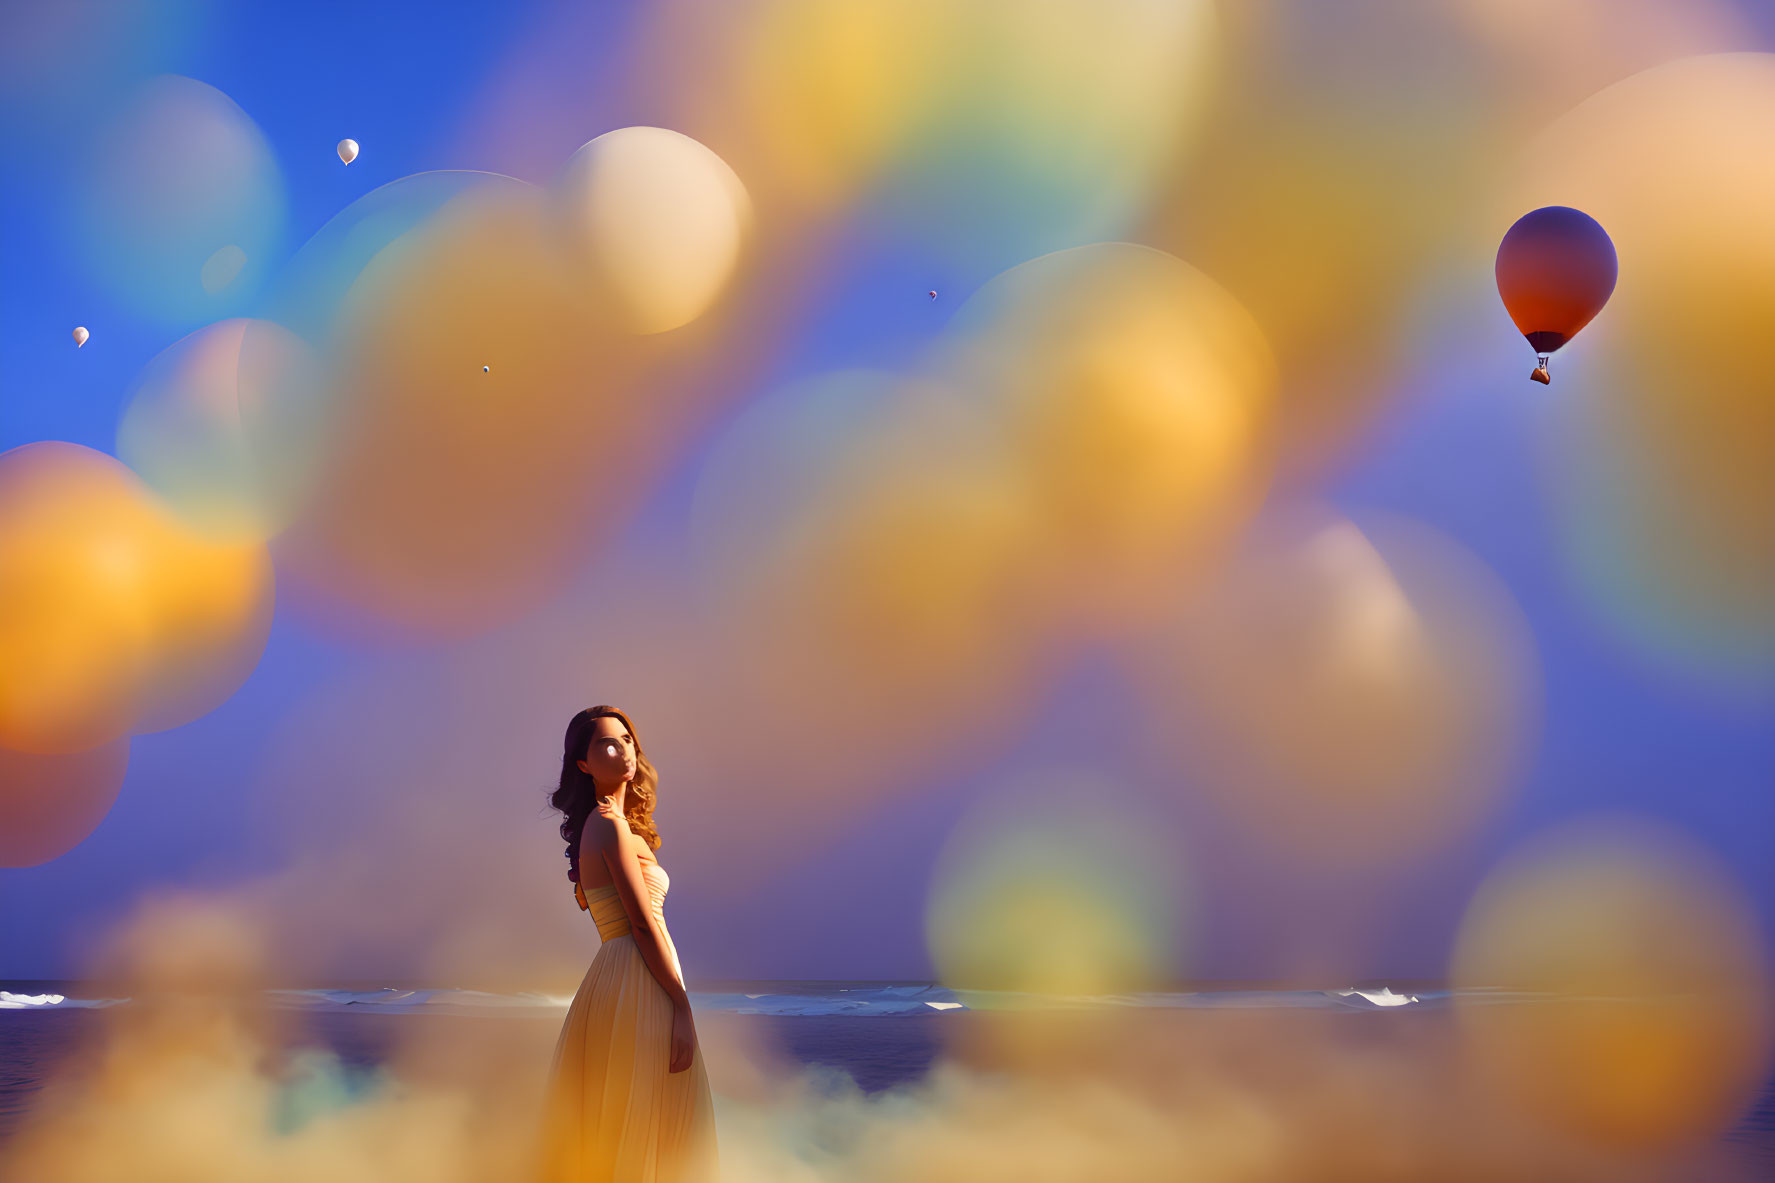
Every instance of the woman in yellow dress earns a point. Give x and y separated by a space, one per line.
628 1096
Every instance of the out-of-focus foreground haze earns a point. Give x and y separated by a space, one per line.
1053 484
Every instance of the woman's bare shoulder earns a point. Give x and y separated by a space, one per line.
603 830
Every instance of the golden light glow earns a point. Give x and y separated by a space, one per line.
1134 395
1633 1005
117 618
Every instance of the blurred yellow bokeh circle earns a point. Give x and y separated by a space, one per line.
1135 397
1612 982
114 617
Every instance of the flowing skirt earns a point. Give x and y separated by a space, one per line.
613 1113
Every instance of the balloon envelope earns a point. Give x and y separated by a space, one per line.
1556 268
80 336
348 150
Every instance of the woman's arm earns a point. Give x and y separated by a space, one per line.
625 872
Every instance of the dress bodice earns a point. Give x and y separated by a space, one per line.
605 904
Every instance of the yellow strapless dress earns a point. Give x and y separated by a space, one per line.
613 1113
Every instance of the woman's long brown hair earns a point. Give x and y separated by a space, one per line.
576 795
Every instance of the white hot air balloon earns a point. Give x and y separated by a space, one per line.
80 335
348 150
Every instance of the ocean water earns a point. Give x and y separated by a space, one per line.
881 1033
783 998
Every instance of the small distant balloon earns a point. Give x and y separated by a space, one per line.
1556 268
80 335
486 369
933 295
348 150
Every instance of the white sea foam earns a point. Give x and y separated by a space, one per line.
12 1001
1382 997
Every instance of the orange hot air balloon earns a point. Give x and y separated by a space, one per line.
1556 268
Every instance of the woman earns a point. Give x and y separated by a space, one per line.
628 1095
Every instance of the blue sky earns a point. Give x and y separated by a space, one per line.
1620 728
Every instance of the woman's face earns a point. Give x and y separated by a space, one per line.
610 756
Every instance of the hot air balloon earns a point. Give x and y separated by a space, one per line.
80 335
933 295
1556 268
486 369
348 150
